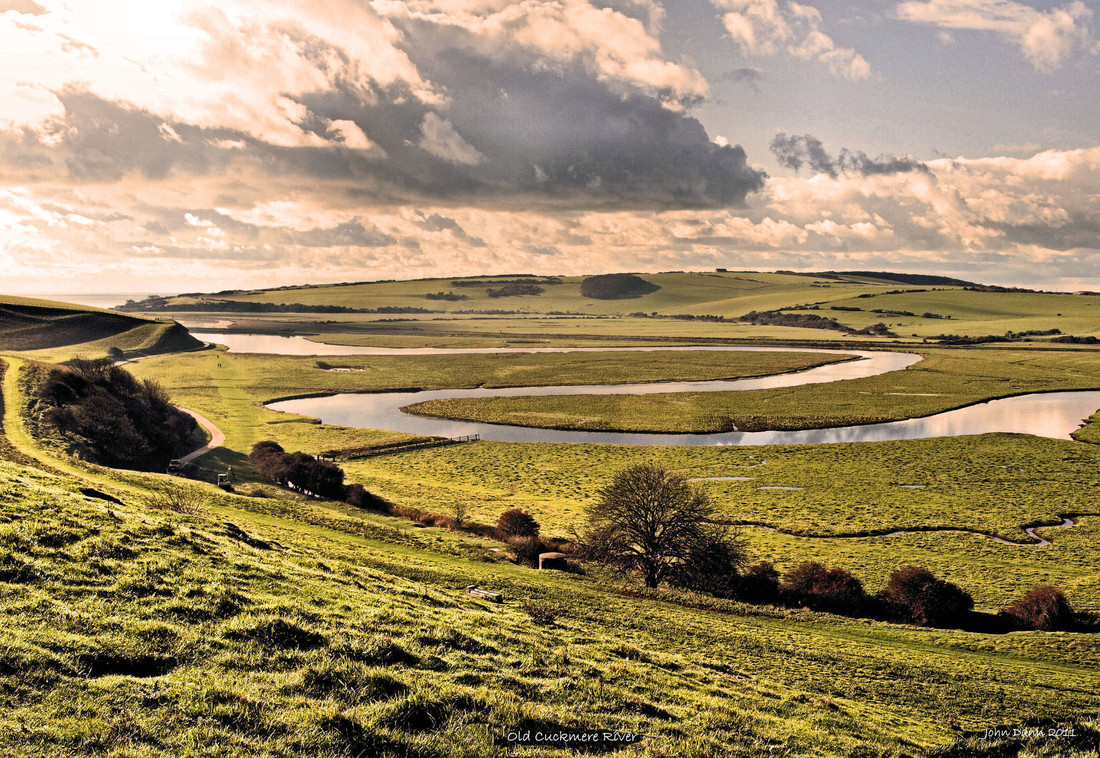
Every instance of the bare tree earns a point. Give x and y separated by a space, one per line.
650 520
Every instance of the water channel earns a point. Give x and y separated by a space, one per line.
1054 414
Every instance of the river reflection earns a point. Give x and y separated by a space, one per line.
1046 415
1053 415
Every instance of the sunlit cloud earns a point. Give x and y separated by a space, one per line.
766 27
1047 38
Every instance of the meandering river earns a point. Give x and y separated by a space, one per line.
1055 414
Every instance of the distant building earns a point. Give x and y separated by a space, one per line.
720 270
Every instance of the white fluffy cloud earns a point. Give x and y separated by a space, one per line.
236 64
617 47
764 27
1046 37
438 137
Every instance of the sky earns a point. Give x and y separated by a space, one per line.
187 145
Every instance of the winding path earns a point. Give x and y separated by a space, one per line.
217 436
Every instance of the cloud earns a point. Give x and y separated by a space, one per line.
617 43
1000 219
794 152
764 27
26 7
439 223
349 134
750 77
1046 38
564 103
348 234
209 65
438 137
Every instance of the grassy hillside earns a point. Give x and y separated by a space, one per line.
996 484
239 628
187 621
49 330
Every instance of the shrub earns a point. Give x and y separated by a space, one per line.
760 584
527 550
406 512
517 523
825 589
1044 608
541 613
111 418
176 498
299 470
358 497
919 597
515 289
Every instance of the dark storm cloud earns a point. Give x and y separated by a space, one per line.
564 135
156 227
1080 231
543 249
104 141
352 233
749 77
349 234
796 151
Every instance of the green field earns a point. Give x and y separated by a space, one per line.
263 623
994 484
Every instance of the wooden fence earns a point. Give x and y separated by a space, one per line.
370 451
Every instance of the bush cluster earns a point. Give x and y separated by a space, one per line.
1043 608
913 595
515 289
616 286
299 470
113 419
517 523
